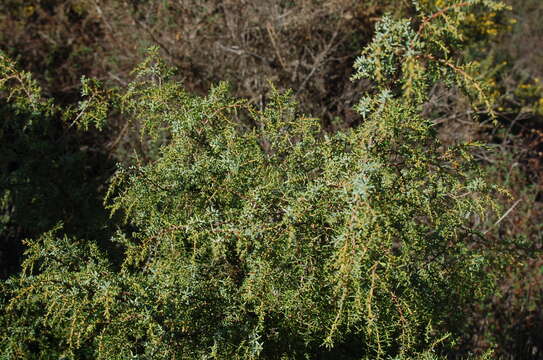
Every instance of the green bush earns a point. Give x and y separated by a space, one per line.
48 171
254 234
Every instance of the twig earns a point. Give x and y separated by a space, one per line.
318 61
151 33
240 52
427 20
466 76
504 215
271 33
114 144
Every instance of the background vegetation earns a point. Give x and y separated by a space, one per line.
55 170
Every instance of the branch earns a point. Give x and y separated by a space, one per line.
504 215
429 19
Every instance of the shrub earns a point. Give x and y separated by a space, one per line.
257 235
48 171
307 45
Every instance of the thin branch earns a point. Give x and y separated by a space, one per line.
429 19
466 76
271 33
318 61
114 144
504 215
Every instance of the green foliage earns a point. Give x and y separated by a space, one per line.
46 177
257 235
407 61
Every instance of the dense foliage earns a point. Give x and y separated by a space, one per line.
249 232
46 174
